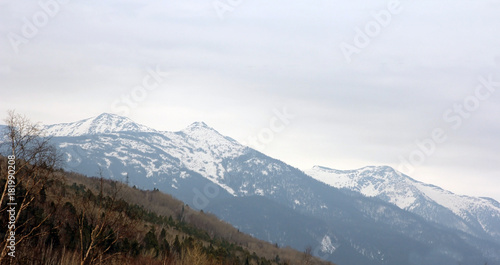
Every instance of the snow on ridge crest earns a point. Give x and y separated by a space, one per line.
409 194
388 181
209 139
198 147
104 123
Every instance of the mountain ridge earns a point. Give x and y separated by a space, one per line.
202 167
409 194
103 123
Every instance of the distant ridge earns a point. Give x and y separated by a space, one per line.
473 215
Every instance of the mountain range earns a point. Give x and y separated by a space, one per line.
373 215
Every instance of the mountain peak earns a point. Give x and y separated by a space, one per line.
103 123
199 124
106 115
199 127
210 137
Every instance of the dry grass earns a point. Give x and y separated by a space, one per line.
154 201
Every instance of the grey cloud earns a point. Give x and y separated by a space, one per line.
264 55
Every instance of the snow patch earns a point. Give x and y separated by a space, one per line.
327 246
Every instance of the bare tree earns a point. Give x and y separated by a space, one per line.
194 256
34 160
308 258
102 223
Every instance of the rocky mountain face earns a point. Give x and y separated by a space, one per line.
387 219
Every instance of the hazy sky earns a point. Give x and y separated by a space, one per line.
342 84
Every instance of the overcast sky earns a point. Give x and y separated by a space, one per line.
342 84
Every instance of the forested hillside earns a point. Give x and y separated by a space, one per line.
67 218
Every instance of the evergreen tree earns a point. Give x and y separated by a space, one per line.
177 245
165 247
163 234
150 240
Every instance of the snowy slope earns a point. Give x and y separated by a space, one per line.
469 214
104 123
197 148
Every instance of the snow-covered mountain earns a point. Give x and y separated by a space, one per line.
264 196
196 149
477 216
